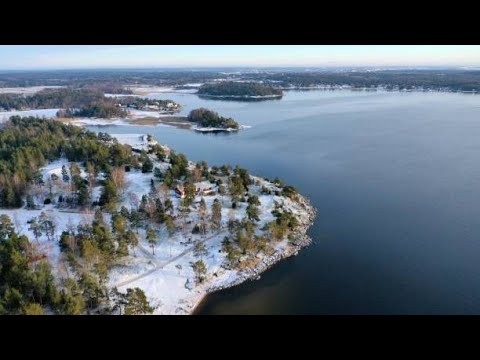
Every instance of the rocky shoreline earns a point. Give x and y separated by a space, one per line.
302 240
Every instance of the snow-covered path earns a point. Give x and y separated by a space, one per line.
162 264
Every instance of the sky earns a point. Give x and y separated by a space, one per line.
26 57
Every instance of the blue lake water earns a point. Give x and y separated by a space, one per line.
396 181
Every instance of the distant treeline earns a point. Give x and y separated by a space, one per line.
114 81
238 89
211 119
97 79
431 79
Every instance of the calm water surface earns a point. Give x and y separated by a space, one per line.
396 180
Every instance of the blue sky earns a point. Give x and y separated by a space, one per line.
105 56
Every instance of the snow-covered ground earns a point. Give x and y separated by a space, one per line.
165 274
48 113
30 90
138 114
150 89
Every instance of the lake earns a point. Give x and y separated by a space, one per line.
396 181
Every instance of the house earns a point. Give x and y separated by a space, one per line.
180 191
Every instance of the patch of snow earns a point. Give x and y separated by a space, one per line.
48 113
29 90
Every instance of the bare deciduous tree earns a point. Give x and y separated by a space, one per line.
118 177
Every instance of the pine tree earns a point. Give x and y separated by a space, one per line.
152 238
119 224
35 228
202 212
147 165
30 202
216 217
252 212
200 249
33 309
153 189
132 240
109 194
190 190
83 195
137 303
6 227
135 219
98 218
200 270
47 225
168 205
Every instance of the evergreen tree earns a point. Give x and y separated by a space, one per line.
190 191
6 227
200 270
98 218
122 248
170 224
47 225
30 202
153 189
109 194
83 195
168 206
119 224
152 238
135 220
147 165
35 228
202 212
216 216
136 302
33 309
132 240
252 212
200 249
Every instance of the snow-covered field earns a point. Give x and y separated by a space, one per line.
165 274
48 113
150 89
30 90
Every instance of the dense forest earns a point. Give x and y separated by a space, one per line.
27 285
26 144
113 81
211 119
238 89
51 98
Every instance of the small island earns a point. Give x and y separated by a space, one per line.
211 121
247 91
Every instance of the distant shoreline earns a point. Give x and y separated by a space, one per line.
241 97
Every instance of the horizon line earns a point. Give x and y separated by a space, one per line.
304 67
